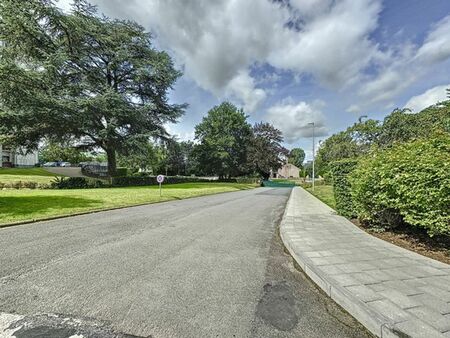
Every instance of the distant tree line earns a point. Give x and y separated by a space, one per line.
398 127
225 145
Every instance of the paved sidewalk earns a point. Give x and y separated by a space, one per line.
392 291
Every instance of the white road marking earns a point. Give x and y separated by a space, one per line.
6 320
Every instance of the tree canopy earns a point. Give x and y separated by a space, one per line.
266 152
223 136
296 157
398 127
81 76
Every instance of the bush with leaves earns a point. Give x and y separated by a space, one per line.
408 183
77 183
341 186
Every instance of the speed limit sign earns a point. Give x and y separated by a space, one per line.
160 179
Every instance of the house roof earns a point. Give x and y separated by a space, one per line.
290 165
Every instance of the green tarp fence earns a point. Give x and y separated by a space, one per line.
275 184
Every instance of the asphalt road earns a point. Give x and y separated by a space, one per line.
211 266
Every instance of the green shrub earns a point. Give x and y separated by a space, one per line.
30 185
327 178
408 183
121 172
127 181
16 185
77 183
22 185
341 186
248 180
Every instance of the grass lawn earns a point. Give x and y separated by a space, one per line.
39 175
24 205
325 194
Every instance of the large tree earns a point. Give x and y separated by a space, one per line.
223 137
190 165
175 158
296 157
265 152
81 76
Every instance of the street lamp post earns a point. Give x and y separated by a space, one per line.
314 155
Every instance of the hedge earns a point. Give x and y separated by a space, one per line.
77 183
341 186
23 185
130 181
406 184
121 172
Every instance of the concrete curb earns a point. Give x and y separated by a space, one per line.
375 322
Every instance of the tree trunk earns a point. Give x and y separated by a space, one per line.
112 166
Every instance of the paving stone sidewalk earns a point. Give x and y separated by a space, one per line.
392 291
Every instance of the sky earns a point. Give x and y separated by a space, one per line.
293 62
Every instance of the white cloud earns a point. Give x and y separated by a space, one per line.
354 109
403 66
428 98
293 119
387 85
333 43
243 86
310 8
218 41
174 131
63 4
436 47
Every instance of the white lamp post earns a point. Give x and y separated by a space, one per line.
314 155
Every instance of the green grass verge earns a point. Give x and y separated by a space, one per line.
324 193
29 205
38 175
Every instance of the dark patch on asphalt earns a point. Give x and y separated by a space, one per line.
277 306
61 326
315 314
401 334
45 332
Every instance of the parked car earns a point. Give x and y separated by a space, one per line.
50 164
65 164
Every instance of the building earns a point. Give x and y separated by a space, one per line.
288 170
13 158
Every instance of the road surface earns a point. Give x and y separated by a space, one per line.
210 266
65 171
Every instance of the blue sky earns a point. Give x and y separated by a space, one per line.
291 62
